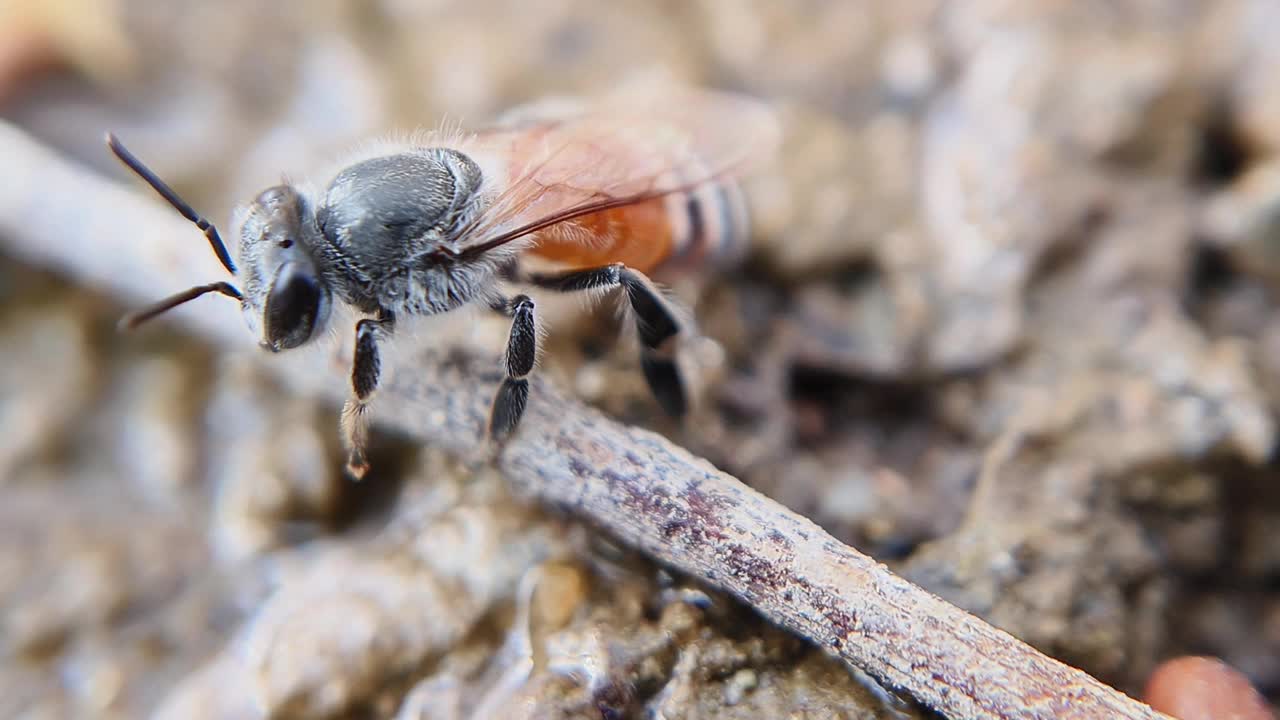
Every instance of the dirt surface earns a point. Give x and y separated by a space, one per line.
1008 325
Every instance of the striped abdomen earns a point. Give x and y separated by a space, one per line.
704 227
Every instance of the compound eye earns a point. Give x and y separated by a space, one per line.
293 310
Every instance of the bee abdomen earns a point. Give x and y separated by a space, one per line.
709 226
703 228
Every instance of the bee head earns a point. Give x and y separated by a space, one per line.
285 300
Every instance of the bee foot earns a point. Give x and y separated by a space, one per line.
357 466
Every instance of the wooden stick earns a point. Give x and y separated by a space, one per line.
631 483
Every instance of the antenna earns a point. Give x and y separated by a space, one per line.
133 320
166 192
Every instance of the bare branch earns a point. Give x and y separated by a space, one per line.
636 485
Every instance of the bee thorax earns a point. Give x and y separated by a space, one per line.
427 288
383 212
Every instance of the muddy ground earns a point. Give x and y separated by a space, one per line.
1008 325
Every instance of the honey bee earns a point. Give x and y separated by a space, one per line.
565 195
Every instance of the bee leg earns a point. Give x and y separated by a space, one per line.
522 350
366 368
659 329
656 322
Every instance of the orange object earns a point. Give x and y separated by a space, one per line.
24 54
638 236
1204 688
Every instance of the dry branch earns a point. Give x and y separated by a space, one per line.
640 488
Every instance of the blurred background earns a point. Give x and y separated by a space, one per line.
1008 325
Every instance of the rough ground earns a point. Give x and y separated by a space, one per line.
1009 326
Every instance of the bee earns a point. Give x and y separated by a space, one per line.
564 195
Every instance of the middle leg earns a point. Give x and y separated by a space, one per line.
656 322
522 351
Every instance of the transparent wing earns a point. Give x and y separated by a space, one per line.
570 159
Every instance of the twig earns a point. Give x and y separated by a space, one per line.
640 488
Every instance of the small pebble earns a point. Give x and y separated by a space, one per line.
739 685
1204 688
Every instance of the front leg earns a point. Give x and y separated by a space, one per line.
522 350
366 369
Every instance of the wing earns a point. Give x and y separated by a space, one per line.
569 159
